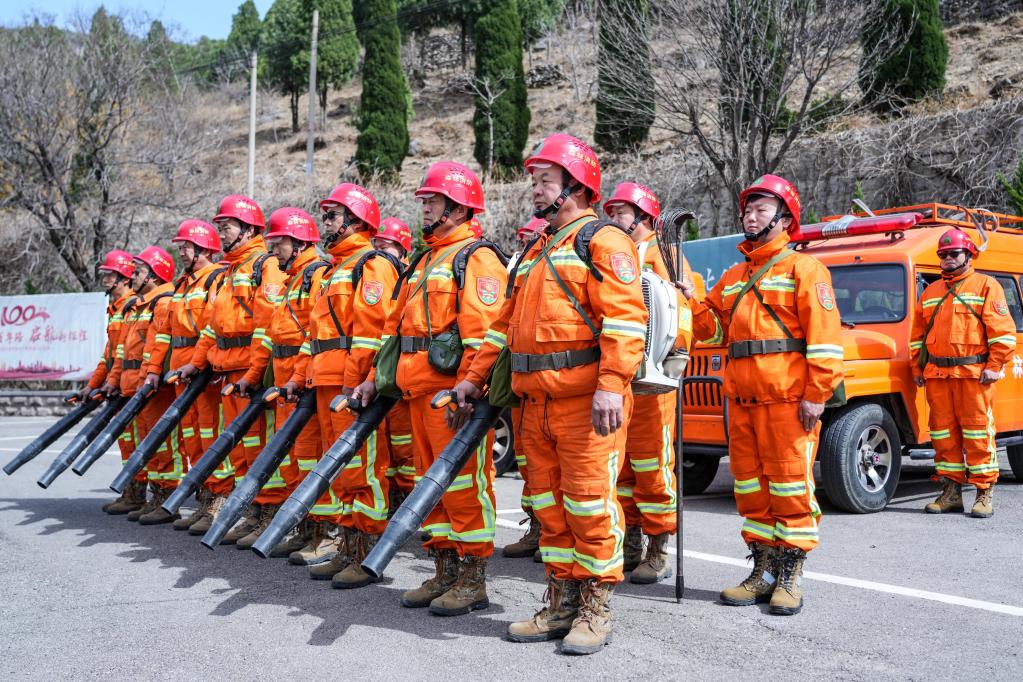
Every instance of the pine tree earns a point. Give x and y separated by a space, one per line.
916 69
624 112
537 18
500 83
1014 188
246 30
383 115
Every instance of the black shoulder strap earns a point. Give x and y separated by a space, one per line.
129 305
361 263
211 277
307 274
152 304
257 269
461 261
581 244
413 262
513 274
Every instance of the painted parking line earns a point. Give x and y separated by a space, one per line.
853 582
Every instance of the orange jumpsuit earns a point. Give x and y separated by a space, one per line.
286 335
646 486
115 320
345 328
972 321
465 518
573 470
235 324
177 334
770 453
138 337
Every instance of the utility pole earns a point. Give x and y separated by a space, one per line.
250 186
311 141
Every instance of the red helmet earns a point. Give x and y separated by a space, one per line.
293 222
395 230
534 226
956 239
200 233
240 207
638 196
118 261
356 199
572 154
777 187
454 181
476 227
159 262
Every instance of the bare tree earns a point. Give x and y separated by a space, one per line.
743 80
489 90
97 147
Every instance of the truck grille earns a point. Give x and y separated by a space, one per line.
703 386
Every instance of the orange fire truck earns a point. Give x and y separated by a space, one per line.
880 264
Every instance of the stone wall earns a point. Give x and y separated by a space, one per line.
32 404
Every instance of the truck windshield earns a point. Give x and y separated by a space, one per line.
870 293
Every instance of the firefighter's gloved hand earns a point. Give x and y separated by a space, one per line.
152 380
810 413
365 392
686 286
109 390
187 371
607 413
989 376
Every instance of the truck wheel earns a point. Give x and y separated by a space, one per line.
698 473
1014 453
861 457
504 444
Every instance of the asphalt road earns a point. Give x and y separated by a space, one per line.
897 595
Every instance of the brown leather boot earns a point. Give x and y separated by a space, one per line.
145 508
591 629
633 549
759 585
655 566
445 562
554 620
469 593
158 515
787 598
529 543
266 515
983 506
352 576
950 499
203 499
243 527
341 546
132 499
203 523
320 548
293 541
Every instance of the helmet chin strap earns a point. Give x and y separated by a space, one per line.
551 212
756 236
346 222
120 278
448 207
294 253
241 233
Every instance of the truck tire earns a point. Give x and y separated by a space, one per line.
861 458
504 444
1014 453
698 473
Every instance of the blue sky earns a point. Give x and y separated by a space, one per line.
193 18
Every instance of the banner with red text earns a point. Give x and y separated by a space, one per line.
51 336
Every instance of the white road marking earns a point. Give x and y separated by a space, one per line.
853 582
29 437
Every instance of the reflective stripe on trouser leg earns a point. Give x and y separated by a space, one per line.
328 506
526 499
752 500
573 474
650 469
402 469
974 404
127 442
946 430
166 467
362 486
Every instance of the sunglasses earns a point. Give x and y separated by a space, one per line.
954 253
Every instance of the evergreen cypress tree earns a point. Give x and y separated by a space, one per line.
624 112
383 115
917 68
499 67
246 29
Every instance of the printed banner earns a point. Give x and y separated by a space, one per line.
51 337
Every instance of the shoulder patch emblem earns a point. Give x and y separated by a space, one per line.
623 266
826 296
372 291
487 289
272 291
1001 308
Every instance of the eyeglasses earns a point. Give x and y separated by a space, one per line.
953 253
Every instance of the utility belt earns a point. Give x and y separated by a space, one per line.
280 351
524 363
228 342
131 364
945 361
443 351
184 341
745 349
317 346
414 344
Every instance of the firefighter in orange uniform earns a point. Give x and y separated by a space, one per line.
152 282
433 302
115 276
647 485
292 239
235 327
963 322
177 333
575 329
785 361
395 238
529 544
